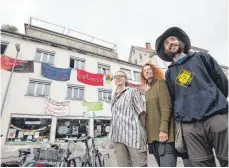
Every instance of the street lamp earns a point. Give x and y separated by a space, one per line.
17 46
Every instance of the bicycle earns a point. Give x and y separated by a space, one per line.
45 156
97 159
23 153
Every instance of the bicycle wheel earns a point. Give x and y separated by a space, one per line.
71 163
98 162
86 164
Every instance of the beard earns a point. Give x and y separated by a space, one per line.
180 50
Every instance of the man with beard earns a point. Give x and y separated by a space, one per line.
199 89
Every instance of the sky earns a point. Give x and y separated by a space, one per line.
130 22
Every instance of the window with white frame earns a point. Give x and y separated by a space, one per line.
38 88
77 63
75 92
3 46
128 73
44 56
104 95
103 69
136 76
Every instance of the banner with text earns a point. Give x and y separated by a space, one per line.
93 106
21 66
90 78
58 74
56 108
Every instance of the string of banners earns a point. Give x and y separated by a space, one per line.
59 74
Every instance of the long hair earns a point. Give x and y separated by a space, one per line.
157 73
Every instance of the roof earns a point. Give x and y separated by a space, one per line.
46 42
139 48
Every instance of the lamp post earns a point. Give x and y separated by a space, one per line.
17 47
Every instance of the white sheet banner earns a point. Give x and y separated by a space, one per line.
56 108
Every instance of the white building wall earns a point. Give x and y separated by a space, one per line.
18 102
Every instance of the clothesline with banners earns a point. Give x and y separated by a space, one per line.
59 74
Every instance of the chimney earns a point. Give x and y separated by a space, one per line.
148 46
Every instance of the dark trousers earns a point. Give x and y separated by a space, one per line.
164 153
202 136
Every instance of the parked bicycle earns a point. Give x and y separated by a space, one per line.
93 159
22 154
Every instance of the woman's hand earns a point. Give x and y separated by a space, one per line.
163 136
147 87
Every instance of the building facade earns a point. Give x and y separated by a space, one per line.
24 117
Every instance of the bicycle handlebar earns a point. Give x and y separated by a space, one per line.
81 139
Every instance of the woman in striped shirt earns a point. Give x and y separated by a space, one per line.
127 124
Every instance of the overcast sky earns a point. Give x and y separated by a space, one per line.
130 22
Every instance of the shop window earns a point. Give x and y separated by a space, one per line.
67 128
101 127
24 130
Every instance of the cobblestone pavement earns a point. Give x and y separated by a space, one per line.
10 153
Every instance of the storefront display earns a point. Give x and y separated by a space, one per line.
101 127
67 128
26 130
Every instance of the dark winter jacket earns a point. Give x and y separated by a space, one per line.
198 87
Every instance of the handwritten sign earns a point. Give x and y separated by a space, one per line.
56 108
58 74
93 106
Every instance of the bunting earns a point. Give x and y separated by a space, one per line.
58 74
21 66
90 78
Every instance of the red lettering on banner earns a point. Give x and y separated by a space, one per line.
90 78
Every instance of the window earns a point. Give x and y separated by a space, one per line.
135 61
104 95
101 127
128 73
137 76
3 47
103 69
140 56
77 63
75 92
39 88
25 129
44 56
67 128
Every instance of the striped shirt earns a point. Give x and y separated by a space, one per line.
125 127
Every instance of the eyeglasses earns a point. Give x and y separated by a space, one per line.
118 76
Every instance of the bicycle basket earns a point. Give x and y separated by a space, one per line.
50 154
